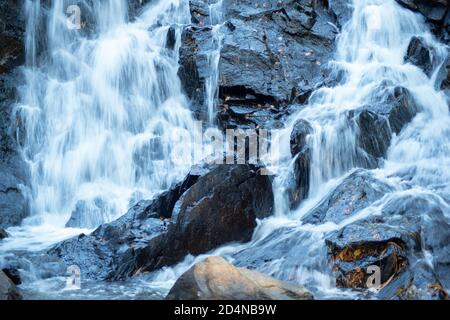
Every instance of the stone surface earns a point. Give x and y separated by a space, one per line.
216 279
8 290
221 203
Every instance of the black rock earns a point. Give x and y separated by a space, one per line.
272 54
358 191
392 110
14 275
222 207
421 55
3 234
100 253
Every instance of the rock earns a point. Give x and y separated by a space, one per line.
394 241
392 110
222 206
300 132
436 13
3 234
216 279
8 290
102 252
358 191
298 189
219 202
12 29
433 10
272 55
13 274
421 55
88 214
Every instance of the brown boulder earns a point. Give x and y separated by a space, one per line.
216 279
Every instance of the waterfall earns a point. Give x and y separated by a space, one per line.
212 81
100 107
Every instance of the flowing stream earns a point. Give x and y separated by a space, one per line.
99 112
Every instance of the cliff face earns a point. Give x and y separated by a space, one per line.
13 171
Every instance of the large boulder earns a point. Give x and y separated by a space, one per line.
394 241
216 279
8 290
221 203
272 55
222 207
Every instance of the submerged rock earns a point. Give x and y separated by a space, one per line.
8 290
216 279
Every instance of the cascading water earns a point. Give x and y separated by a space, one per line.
371 50
99 114
211 82
99 110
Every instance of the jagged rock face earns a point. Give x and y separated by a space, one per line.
272 55
8 290
12 29
421 55
392 110
216 279
220 203
394 241
13 171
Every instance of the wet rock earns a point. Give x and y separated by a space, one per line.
299 187
434 10
222 206
13 274
3 234
421 55
391 111
101 252
358 191
12 29
8 290
436 13
13 171
88 214
220 202
216 279
394 242
272 55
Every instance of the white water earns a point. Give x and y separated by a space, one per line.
100 112
212 81
97 100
